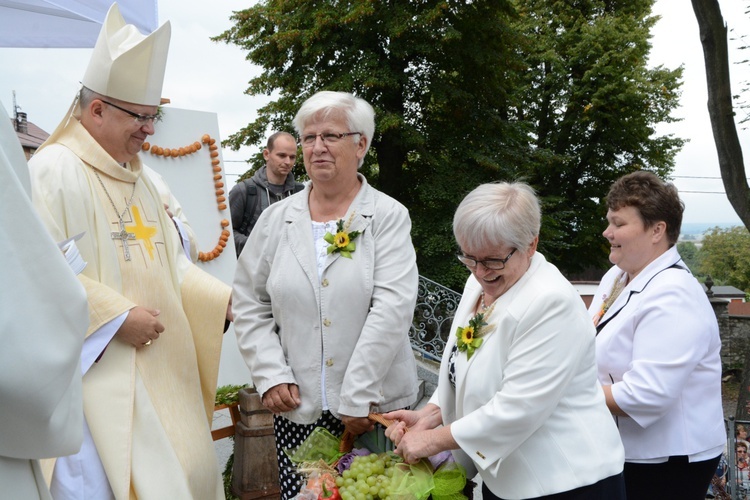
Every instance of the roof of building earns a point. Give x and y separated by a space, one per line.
33 137
727 292
736 308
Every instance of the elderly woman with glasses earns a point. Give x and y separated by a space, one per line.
517 396
325 289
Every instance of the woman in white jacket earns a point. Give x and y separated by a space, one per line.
657 346
517 396
325 289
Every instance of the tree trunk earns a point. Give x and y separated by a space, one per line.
391 158
713 34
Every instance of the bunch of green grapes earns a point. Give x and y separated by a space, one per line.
368 477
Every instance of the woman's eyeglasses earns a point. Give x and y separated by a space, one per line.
308 141
494 264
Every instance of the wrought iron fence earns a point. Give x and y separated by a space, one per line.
433 315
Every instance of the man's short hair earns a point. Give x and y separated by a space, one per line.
272 138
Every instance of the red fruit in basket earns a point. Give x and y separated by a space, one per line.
332 494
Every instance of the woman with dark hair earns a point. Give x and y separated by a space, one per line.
657 346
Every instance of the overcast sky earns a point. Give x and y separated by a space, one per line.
207 76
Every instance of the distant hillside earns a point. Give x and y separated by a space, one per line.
697 229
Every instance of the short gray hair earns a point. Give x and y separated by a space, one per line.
325 104
87 95
498 214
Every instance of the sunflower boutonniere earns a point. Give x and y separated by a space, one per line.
469 338
343 241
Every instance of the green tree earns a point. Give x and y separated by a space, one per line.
725 256
690 254
592 103
555 93
439 86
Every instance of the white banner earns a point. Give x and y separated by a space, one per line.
195 182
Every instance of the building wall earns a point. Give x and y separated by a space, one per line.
735 335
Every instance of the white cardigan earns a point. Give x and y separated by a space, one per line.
527 408
659 347
355 318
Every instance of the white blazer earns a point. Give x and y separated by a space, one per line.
355 318
659 347
527 408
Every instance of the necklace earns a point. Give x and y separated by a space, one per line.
122 234
617 287
483 306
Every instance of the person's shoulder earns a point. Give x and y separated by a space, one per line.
547 280
50 156
239 188
54 164
259 178
151 173
282 208
384 202
670 273
544 289
672 289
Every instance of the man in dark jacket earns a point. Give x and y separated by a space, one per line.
271 183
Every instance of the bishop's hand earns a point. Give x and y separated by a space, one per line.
141 327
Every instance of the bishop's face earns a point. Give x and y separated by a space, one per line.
121 134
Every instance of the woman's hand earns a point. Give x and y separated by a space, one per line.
414 445
357 425
427 418
396 431
281 398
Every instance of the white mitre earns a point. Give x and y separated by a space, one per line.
125 65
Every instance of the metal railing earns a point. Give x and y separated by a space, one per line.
433 315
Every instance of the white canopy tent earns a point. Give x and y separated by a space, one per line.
67 23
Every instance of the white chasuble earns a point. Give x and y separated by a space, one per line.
149 409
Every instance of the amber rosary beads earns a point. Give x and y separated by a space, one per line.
218 184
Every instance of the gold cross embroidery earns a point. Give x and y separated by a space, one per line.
142 232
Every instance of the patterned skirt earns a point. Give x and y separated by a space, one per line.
289 436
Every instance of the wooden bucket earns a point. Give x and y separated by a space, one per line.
255 473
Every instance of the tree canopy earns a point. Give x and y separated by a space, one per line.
554 93
725 256
690 253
